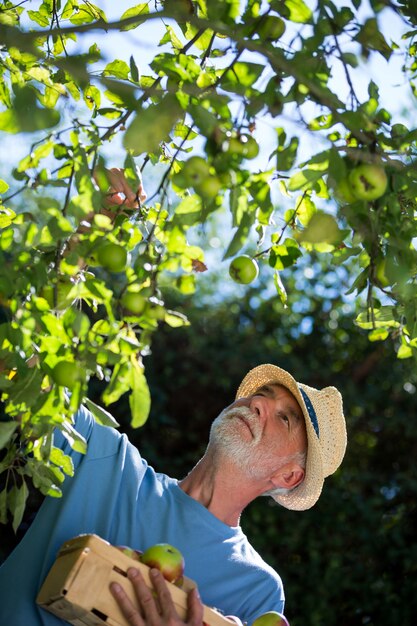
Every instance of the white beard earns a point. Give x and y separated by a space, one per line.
228 441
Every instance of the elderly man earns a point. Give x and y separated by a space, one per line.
278 438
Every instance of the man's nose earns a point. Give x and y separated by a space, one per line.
240 402
258 406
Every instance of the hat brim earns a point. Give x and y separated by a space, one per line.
307 493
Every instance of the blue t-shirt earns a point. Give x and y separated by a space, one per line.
118 496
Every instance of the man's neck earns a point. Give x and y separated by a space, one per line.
220 488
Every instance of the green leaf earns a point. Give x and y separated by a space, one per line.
378 334
101 416
286 155
117 68
119 383
284 254
152 125
188 212
32 160
86 13
171 37
377 318
139 9
404 352
9 122
260 190
279 286
134 72
350 59
240 236
295 10
177 66
6 431
76 441
241 77
3 506
41 18
17 502
305 179
45 477
3 186
305 209
371 38
238 204
59 458
92 96
7 216
140 398
322 122
176 319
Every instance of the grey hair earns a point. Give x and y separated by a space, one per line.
300 458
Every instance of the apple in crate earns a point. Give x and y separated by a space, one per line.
167 559
134 554
271 618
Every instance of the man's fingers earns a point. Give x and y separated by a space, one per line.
159 611
130 612
195 608
164 597
122 192
145 597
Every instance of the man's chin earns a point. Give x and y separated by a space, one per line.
234 438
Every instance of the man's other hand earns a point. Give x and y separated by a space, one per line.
159 610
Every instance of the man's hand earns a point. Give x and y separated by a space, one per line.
159 611
121 193
118 194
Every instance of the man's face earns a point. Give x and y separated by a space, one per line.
261 432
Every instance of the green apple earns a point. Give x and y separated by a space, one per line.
131 552
243 269
234 147
244 146
271 618
271 27
368 181
167 559
67 374
209 187
195 171
134 302
155 309
250 148
113 257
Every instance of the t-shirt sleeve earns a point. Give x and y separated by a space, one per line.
267 595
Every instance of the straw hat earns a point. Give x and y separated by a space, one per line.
325 425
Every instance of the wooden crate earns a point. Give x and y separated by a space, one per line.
76 588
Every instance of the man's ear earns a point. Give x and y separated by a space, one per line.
288 476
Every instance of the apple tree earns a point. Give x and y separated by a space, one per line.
80 277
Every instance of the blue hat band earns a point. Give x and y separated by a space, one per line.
311 412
